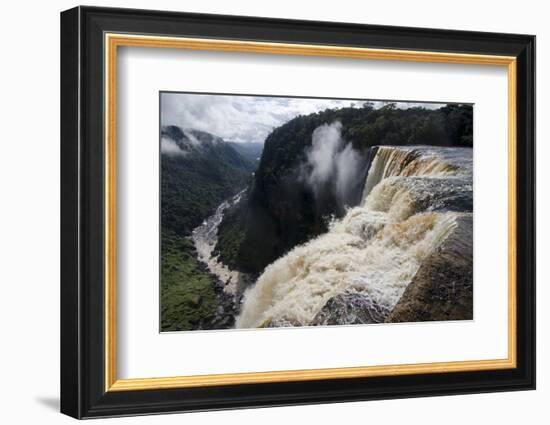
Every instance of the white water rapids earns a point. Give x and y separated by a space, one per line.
376 248
205 238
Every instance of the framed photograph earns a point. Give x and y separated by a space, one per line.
261 212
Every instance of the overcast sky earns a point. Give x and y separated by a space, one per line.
245 118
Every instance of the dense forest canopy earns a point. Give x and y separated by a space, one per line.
196 180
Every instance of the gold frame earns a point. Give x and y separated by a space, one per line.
113 41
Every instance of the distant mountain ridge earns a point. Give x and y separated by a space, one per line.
251 151
200 142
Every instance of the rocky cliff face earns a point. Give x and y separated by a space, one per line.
350 309
442 289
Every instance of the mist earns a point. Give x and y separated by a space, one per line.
169 147
332 164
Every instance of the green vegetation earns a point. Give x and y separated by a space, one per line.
231 234
188 299
193 183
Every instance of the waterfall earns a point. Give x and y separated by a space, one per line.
391 161
411 199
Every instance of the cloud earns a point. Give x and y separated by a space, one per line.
237 118
244 118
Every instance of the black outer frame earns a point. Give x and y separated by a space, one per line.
82 207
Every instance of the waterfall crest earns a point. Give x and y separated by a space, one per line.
413 161
411 199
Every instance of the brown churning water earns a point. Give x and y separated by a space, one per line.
411 199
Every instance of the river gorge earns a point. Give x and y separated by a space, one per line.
377 263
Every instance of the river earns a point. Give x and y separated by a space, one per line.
205 238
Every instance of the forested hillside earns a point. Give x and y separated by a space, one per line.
198 172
